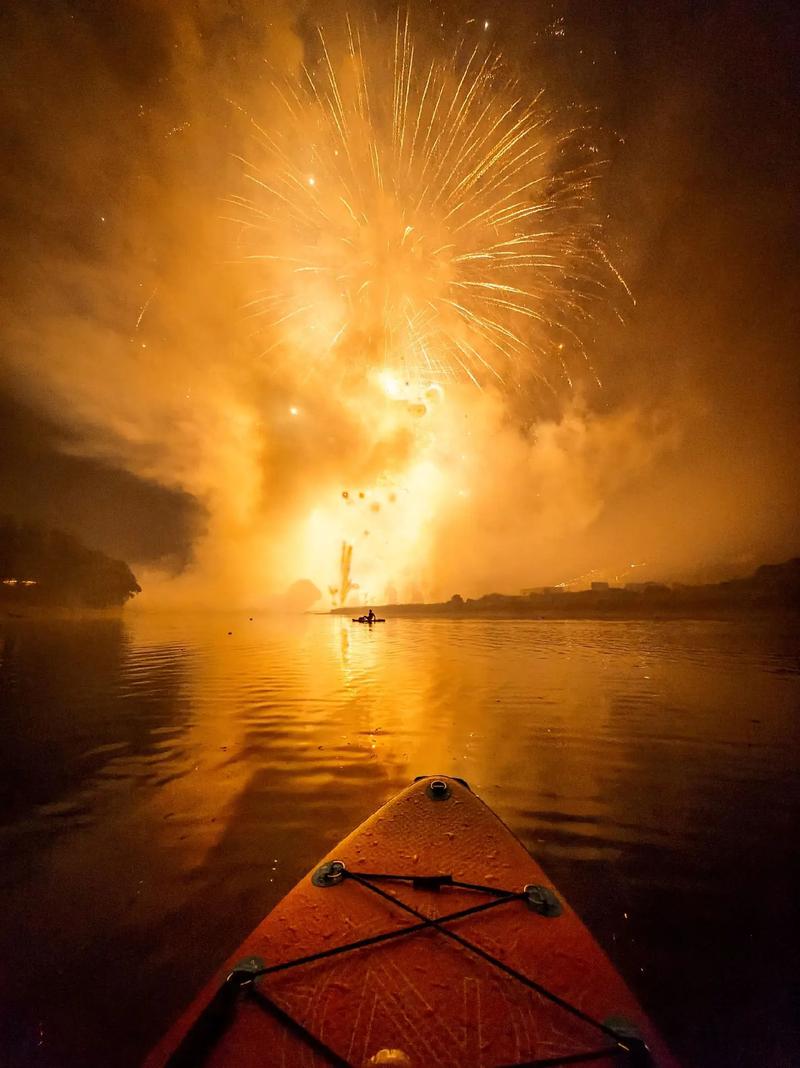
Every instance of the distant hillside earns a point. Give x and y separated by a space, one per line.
41 567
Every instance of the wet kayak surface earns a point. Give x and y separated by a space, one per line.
429 932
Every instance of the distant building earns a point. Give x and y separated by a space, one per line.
644 587
599 586
531 591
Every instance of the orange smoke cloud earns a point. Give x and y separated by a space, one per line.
131 332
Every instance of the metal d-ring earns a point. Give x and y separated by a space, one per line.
422 778
329 874
541 899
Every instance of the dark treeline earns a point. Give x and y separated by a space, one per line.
50 568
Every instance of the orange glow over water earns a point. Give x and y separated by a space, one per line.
167 782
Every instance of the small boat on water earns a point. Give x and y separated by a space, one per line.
366 619
428 937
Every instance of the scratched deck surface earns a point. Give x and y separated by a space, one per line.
424 994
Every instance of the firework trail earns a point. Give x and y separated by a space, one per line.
421 215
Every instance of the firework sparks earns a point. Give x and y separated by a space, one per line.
413 221
428 219
144 308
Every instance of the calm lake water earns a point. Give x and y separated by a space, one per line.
164 783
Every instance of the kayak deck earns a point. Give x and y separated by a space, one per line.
515 980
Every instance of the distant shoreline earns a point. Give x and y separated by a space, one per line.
773 590
443 611
9 612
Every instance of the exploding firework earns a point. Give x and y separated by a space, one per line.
414 219
421 215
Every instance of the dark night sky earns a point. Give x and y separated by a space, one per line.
698 103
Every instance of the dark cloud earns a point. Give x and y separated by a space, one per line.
42 482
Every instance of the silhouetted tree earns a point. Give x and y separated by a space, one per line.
49 567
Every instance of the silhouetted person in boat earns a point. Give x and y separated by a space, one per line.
371 617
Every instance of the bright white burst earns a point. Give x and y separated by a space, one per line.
421 214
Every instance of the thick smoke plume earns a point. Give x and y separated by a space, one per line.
125 322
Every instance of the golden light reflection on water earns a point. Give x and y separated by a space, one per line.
546 711
173 777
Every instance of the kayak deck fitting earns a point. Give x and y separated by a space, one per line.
429 936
